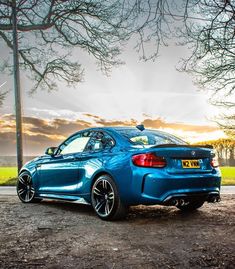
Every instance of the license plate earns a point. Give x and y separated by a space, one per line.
190 164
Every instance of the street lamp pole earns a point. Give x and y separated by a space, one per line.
16 72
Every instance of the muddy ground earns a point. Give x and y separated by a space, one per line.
65 235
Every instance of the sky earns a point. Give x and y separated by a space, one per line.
153 93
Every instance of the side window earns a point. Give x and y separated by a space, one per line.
99 141
74 145
140 140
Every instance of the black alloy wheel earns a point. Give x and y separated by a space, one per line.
25 189
105 199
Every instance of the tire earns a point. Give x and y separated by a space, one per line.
105 199
191 206
25 189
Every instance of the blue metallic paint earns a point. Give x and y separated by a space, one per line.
71 177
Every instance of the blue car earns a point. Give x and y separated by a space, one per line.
113 168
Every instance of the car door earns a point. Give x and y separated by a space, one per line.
92 158
59 174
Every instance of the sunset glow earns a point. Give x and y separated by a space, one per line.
41 133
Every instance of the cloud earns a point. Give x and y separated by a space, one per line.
41 133
159 123
108 123
38 134
92 116
59 127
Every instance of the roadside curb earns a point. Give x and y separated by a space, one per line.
11 190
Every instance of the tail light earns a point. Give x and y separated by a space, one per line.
214 162
148 160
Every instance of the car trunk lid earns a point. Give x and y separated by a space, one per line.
185 158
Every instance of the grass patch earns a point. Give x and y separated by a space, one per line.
8 176
9 182
228 175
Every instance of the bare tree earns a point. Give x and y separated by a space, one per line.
50 30
2 97
212 62
2 93
213 44
207 28
227 123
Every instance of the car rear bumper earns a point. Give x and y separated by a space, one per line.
173 197
163 188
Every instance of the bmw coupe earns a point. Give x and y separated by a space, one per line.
113 168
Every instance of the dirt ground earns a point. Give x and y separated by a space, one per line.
67 235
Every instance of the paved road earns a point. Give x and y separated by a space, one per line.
224 190
12 190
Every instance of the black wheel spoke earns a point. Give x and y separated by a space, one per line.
99 205
107 208
104 183
97 192
32 190
27 196
22 181
111 196
21 191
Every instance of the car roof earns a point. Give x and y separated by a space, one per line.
116 128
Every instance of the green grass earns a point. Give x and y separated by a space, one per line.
228 175
8 176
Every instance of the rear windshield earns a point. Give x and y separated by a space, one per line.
149 137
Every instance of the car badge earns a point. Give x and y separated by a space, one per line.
193 153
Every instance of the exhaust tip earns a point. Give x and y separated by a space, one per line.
214 199
174 202
181 202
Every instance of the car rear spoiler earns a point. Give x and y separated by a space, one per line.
186 146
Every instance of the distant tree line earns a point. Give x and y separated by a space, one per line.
225 148
10 161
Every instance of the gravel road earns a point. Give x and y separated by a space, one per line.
67 235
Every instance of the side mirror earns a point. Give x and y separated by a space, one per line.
51 151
